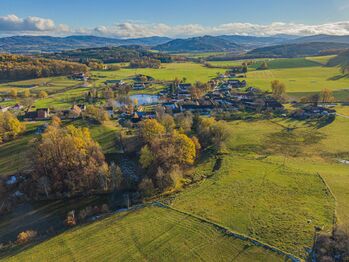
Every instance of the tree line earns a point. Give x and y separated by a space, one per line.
16 67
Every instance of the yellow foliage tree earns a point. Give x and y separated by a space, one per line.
43 94
151 129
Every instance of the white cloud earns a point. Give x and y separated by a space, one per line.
130 29
14 25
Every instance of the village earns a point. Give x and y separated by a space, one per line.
227 93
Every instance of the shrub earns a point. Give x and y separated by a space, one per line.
26 236
70 220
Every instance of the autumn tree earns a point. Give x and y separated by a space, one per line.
96 113
184 121
263 66
56 121
14 93
26 93
326 96
10 127
213 133
116 177
168 122
27 103
68 162
146 157
278 89
42 94
151 129
313 99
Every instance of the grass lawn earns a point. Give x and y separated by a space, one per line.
148 234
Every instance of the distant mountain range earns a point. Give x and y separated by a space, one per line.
223 43
322 38
48 44
299 49
199 44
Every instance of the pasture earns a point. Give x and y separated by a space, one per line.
147 234
266 199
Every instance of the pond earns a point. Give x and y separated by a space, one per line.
141 100
145 99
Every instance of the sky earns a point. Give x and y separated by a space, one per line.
173 18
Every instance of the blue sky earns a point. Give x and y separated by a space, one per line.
178 16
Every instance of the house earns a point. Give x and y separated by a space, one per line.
116 82
236 70
184 86
75 111
3 109
235 83
183 95
17 107
82 107
79 77
171 107
42 113
138 86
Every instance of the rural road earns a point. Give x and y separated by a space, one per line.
342 115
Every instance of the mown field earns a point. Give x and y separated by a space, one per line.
148 234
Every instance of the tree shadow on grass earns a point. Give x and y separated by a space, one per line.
338 77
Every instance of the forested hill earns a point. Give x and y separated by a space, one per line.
340 60
299 50
109 54
49 44
199 44
16 67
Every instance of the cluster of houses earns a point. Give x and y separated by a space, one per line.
79 77
226 96
45 113
139 82
16 107
312 112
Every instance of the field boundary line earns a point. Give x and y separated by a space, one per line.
335 216
232 233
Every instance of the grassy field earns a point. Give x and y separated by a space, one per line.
49 84
306 79
193 72
279 63
14 155
149 234
264 199
321 59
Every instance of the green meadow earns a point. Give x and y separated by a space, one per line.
257 192
147 234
